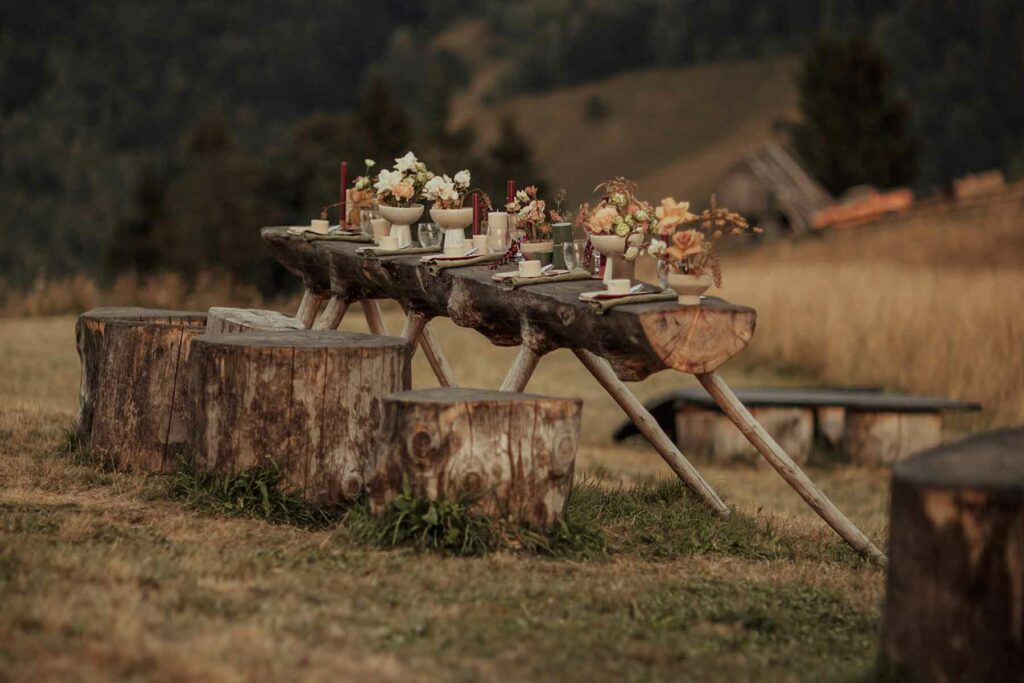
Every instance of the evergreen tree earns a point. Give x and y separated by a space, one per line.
134 244
854 130
511 157
382 123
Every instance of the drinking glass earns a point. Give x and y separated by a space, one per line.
573 252
367 214
497 238
429 235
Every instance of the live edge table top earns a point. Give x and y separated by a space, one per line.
637 339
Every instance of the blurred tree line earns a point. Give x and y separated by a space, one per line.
162 134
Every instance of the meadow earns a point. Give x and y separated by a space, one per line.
118 575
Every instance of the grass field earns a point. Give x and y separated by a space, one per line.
106 575
112 575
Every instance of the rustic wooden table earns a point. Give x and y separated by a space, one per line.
627 343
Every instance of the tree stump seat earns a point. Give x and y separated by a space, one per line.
511 453
222 320
308 402
133 400
954 607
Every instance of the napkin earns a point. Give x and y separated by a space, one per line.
601 306
377 252
515 282
436 267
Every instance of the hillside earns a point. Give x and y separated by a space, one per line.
676 131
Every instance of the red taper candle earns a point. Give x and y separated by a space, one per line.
476 214
511 191
342 203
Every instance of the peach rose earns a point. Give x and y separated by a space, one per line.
403 190
602 220
685 243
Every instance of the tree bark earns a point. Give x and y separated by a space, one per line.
132 401
637 340
955 594
513 454
309 402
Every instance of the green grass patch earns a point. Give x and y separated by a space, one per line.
255 493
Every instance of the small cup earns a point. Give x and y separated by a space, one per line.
480 244
388 243
318 226
618 286
529 269
454 249
381 228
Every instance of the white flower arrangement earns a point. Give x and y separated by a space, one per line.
401 185
446 192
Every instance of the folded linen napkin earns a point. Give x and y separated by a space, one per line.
437 267
515 282
317 237
602 306
377 252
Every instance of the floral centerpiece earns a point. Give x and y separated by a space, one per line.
397 191
687 259
618 225
447 194
401 185
529 216
360 196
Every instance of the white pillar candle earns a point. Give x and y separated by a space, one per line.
319 226
388 242
497 219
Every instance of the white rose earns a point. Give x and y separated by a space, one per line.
432 186
632 253
406 163
462 179
370 163
656 248
387 180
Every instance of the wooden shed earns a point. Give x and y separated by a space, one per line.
770 188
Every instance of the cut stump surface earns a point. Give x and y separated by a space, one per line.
511 453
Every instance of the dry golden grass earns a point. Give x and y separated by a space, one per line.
930 304
101 577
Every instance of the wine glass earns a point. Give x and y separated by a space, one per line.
429 235
574 252
366 215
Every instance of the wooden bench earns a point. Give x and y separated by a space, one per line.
132 399
628 343
307 402
865 425
511 454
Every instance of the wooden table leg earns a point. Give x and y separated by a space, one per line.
788 469
435 356
522 369
331 316
371 309
414 324
648 426
308 307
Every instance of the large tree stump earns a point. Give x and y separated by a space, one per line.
955 596
513 454
222 320
309 402
131 399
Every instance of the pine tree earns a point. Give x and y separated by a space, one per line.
382 123
511 157
854 130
